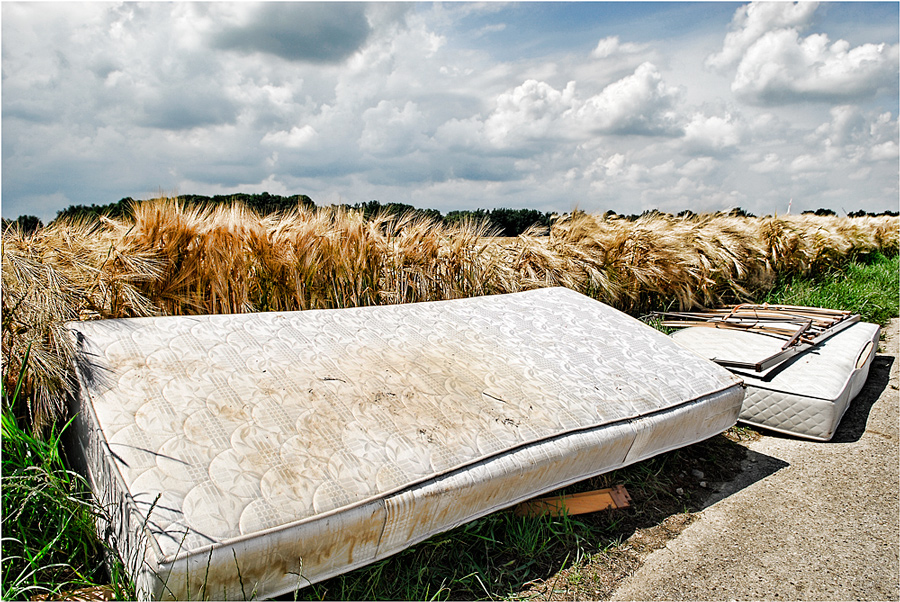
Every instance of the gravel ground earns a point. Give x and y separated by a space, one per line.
804 520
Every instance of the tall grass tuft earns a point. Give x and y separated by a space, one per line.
49 542
67 271
869 286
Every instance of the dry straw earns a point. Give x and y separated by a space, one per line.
170 259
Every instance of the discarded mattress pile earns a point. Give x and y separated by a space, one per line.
802 366
263 452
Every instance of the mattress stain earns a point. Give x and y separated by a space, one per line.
444 503
419 405
335 542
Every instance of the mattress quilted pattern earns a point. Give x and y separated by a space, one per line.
806 395
226 426
783 411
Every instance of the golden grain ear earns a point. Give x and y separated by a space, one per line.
173 259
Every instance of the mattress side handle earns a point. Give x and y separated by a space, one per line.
864 354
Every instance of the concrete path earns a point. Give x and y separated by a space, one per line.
804 521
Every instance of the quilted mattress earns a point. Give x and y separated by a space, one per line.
254 454
806 395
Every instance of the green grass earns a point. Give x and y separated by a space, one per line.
869 286
48 516
50 546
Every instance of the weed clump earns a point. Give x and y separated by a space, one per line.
48 514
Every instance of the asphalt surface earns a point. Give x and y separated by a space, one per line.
804 520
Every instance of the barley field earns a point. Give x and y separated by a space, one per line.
171 260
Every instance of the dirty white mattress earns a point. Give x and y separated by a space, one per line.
805 396
254 454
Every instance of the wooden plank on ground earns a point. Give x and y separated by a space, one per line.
578 503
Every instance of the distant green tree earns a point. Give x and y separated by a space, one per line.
513 222
645 213
454 217
507 222
263 203
122 208
374 208
26 223
739 212
861 213
820 212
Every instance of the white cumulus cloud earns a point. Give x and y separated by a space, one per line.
753 21
697 167
782 67
611 46
847 125
641 103
886 151
712 134
770 163
535 112
528 112
859 136
297 137
390 130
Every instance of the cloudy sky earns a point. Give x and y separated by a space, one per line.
624 105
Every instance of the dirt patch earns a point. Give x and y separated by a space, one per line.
598 577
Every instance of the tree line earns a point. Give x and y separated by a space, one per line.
505 222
